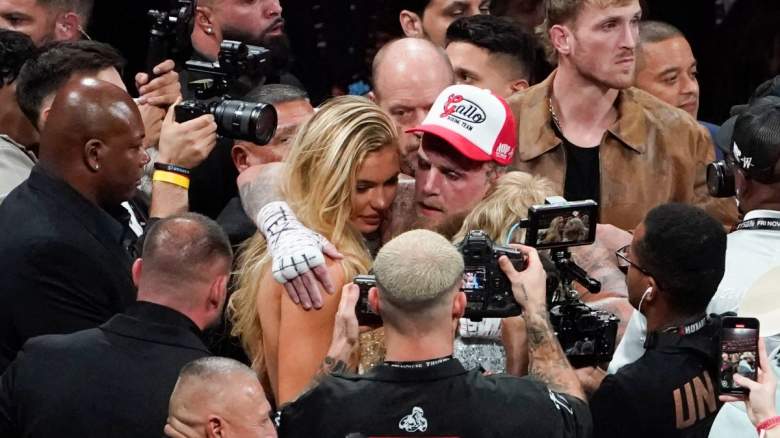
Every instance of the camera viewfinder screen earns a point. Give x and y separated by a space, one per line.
473 279
562 227
738 355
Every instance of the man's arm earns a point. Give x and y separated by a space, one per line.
298 253
185 145
547 362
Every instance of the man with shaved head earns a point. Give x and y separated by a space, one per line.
115 380
408 74
218 397
66 253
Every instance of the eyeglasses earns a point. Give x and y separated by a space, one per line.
624 262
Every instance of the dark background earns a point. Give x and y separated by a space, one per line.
333 41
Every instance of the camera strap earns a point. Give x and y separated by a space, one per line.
759 223
419 364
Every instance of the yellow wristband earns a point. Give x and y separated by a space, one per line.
171 178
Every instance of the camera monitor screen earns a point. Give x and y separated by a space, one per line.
474 282
562 225
739 355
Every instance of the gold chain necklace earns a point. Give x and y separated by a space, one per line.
554 116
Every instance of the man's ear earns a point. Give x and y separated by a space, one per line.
518 85
371 96
206 22
560 39
373 300
66 27
218 292
214 427
240 156
93 151
411 24
459 305
138 265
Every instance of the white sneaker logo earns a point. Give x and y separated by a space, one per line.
414 422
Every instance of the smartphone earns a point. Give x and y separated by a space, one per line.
365 314
738 353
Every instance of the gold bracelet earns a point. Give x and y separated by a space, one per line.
171 178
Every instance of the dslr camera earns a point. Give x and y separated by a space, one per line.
233 74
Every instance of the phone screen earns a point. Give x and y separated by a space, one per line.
739 352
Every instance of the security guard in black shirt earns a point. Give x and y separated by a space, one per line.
675 263
420 390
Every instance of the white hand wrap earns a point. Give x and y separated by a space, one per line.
294 248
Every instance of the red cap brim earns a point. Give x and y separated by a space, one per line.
463 145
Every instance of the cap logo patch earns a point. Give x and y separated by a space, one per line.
463 110
502 151
746 162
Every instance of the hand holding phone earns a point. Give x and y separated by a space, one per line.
738 353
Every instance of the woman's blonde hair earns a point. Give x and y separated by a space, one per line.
319 179
505 204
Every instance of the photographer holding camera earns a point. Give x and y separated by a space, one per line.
420 387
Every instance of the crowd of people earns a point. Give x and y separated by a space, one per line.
161 277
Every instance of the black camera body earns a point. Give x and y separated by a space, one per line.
587 336
169 36
488 290
236 119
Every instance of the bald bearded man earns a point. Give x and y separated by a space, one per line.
66 252
218 397
408 74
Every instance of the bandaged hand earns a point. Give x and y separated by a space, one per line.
298 255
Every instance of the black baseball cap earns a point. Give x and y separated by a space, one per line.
756 139
723 138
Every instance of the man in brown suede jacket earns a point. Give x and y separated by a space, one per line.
595 136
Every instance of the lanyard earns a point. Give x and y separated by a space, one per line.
420 364
760 223
688 329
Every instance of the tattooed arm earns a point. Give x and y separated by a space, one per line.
547 362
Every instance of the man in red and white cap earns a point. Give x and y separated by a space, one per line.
468 140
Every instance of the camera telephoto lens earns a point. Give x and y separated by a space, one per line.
239 120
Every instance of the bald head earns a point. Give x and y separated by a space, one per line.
93 139
217 392
412 60
408 75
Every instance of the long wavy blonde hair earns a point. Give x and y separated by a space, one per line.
318 182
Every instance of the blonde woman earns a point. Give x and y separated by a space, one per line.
497 344
340 179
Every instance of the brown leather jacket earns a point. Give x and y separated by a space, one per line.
653 154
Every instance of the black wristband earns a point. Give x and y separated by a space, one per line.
172 168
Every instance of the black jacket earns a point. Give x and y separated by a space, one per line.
110 381
64 265
670 392
443 400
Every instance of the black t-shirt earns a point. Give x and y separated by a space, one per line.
582 172
669 392
442 400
